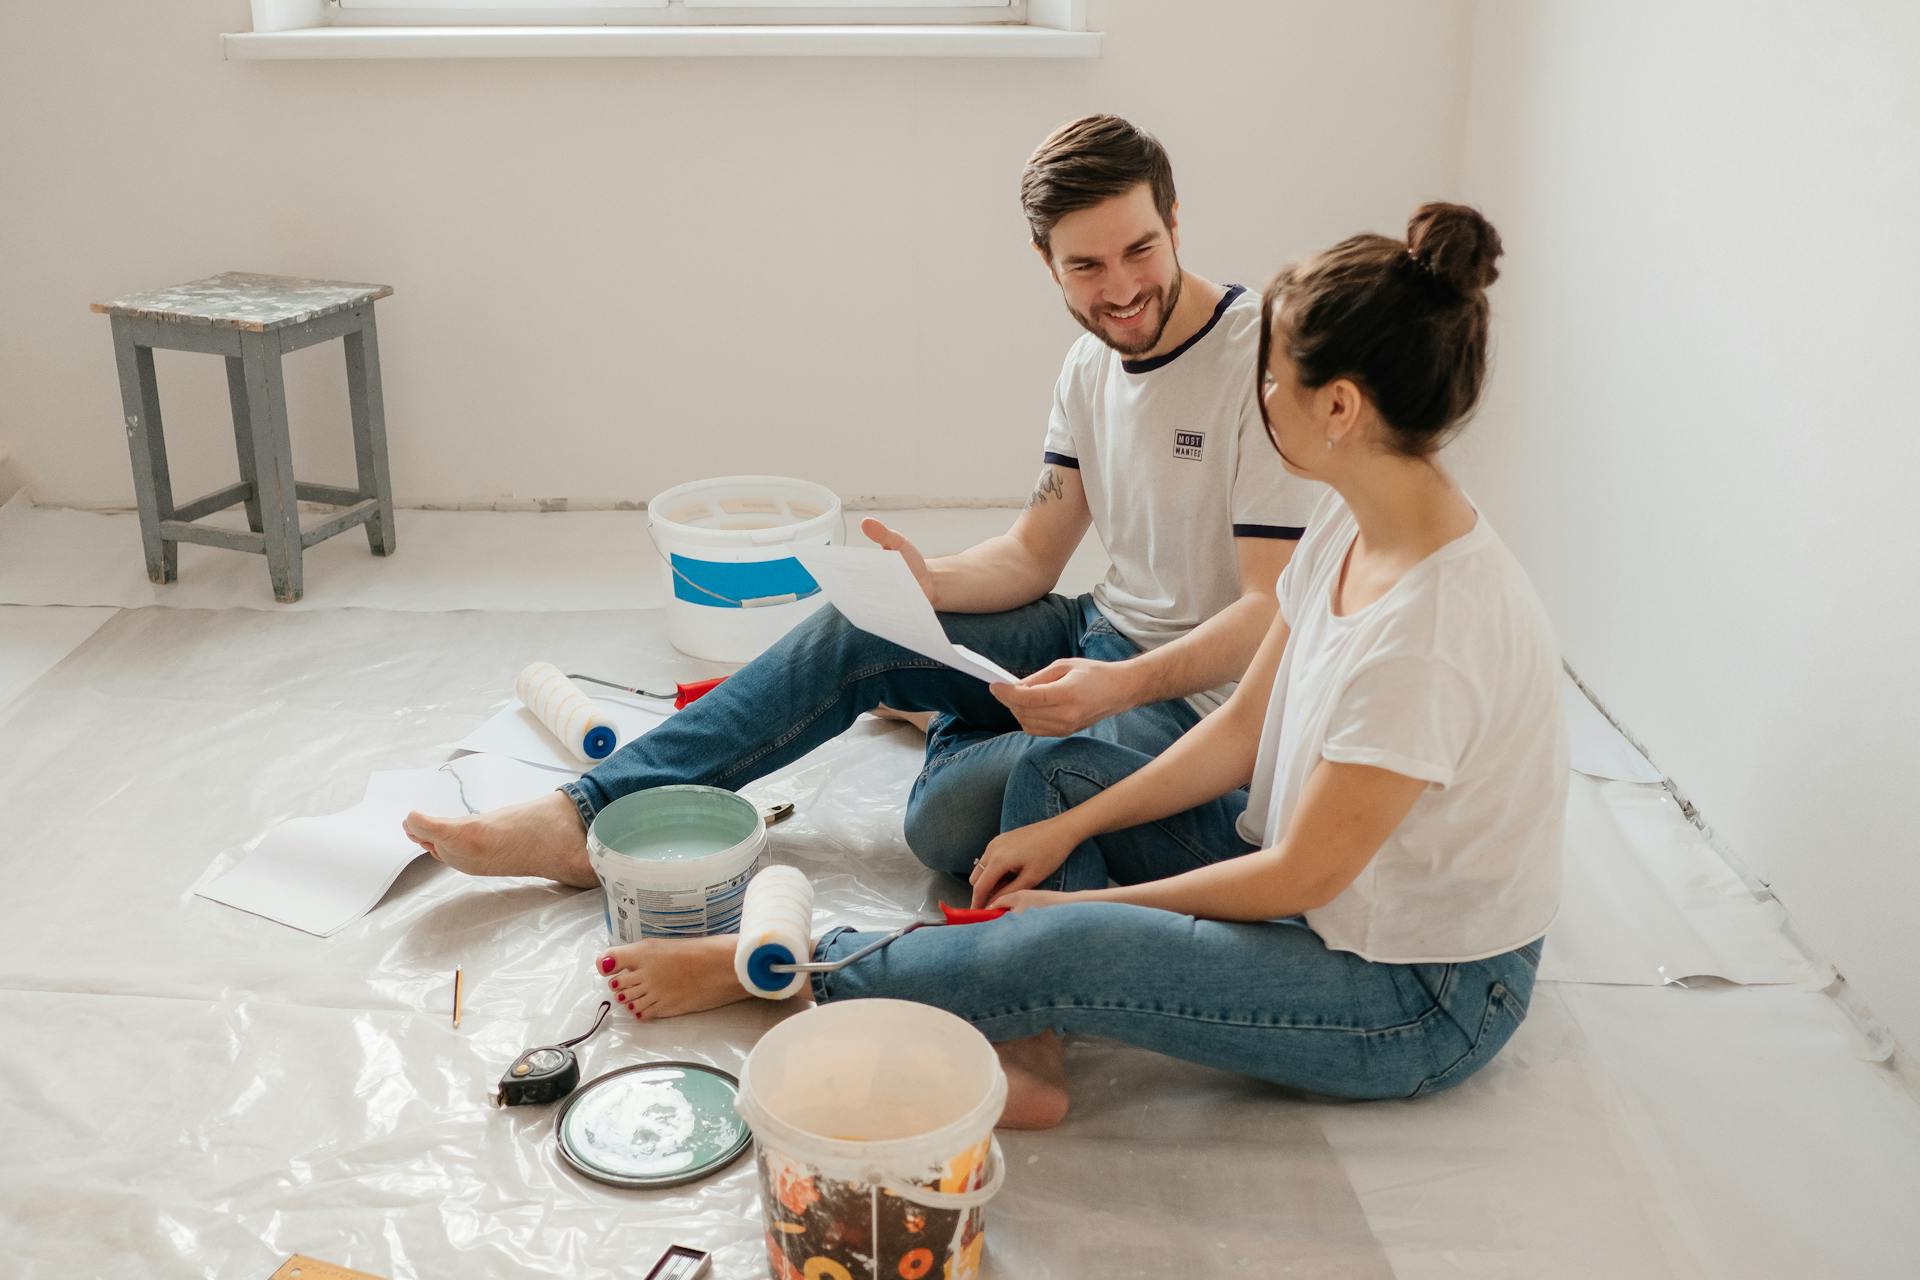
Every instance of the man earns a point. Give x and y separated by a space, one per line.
1155 439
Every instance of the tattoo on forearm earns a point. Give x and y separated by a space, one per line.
1050 486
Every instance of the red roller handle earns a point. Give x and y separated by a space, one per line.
698 689
971 915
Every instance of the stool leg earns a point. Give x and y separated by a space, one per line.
272 461
243 436
147 444
370 432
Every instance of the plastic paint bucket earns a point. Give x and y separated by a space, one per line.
873 1131
675 861
726 548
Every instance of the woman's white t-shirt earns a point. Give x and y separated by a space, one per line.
1451 677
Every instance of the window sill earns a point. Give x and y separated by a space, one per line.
662 42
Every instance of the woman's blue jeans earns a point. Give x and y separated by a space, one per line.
822 675
1268 1000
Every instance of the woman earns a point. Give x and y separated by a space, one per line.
1368 923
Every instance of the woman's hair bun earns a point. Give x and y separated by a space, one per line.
1456 244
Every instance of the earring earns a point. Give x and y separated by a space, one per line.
1329 442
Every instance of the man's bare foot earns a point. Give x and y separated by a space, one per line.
666 977
543 837
1036 1081
918 719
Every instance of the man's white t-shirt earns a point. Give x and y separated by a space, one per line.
1176 464
1452 677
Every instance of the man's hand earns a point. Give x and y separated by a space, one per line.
894 540
1068 695
1019 859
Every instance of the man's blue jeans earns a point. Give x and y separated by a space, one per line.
826 672
1266 999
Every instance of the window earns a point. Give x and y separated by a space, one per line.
284 29
670 13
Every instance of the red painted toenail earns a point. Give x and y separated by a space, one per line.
606 964
613 984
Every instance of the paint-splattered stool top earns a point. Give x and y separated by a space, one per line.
243 300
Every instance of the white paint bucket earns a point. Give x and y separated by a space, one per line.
674 862
873 1130
726 548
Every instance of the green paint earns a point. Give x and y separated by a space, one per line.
655 1124
669 824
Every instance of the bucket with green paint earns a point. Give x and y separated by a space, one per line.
674 861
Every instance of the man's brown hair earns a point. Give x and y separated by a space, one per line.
1092 159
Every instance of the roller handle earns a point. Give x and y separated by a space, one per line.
682 694
971 915
694 691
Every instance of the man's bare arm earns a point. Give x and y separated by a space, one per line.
1219 649
1024 563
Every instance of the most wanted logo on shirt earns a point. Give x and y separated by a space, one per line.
1189 444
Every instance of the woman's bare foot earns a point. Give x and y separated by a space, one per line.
666 977
543 837
1036 1081
918 719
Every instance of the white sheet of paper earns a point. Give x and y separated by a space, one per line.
878 592
1598 749
515 732
321 874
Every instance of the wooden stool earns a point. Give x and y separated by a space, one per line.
253 320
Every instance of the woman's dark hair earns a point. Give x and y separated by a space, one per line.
1405 321
1086 161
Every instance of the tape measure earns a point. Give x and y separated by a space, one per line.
545 1073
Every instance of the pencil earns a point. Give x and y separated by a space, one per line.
456 998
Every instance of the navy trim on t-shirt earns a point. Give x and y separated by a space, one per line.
1285 532
1059 460
1160 362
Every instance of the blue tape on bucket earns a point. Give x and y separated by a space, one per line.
725 584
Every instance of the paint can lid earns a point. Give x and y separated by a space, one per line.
655 1124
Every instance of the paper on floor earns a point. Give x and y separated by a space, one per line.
516 732
878 593
272 1092
571 560
1768 1146
33 641
503 560
321 874
1647 900
1598 749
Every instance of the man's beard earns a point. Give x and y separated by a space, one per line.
1166 301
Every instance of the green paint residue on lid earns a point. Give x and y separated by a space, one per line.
654 1124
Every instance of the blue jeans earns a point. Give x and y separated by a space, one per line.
1268 999
823 674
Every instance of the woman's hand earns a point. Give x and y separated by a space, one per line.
1028 899
1019 859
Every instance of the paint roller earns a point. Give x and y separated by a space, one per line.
568 713
776 930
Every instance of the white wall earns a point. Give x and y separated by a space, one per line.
616 275
1702 437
